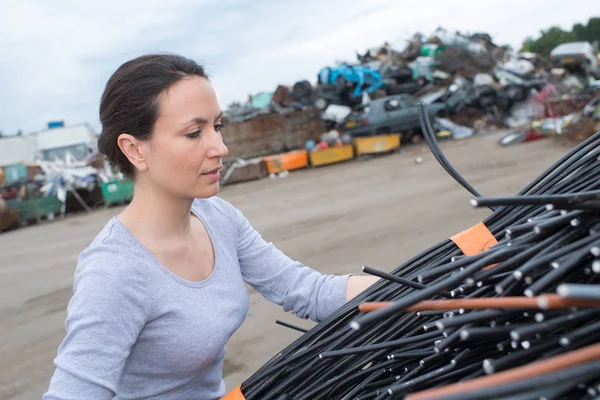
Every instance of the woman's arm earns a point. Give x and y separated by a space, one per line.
298 288
108 309
357 284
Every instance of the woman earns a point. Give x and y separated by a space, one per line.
160 290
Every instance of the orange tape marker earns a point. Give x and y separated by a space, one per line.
474 240
235 394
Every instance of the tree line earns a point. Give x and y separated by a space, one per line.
553 36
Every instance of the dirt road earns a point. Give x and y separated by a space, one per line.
375 212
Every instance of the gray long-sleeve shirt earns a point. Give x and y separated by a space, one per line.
135 330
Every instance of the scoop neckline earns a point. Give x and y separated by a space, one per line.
168 272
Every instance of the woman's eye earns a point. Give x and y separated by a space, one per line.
218 127
193 135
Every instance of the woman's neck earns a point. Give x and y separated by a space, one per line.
154 214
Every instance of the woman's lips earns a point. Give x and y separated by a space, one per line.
213 175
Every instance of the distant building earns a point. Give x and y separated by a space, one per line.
48 144
17 150
79 140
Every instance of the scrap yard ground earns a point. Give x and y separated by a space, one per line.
376 212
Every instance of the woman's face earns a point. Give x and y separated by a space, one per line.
185 152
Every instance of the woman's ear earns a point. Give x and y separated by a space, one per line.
131 148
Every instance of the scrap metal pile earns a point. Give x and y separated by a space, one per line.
480 84
47 189
507 309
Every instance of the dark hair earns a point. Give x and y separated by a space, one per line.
130 102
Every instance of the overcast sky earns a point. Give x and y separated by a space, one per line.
56 55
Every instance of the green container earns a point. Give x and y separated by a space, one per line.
431 50
15 173
35 209
117 192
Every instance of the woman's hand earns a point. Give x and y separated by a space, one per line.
357 284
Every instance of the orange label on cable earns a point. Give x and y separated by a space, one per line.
235 394
474 240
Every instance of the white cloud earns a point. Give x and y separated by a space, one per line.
57 56
509 22
54 54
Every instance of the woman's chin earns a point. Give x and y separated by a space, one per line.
207 191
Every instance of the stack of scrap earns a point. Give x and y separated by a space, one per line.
459 72
509 308
68 177
245 170
60 186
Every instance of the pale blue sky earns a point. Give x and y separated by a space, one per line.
55 56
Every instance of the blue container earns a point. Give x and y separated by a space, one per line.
56 124
15 173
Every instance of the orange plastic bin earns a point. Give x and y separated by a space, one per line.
286 161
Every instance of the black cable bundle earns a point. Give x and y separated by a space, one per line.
443 317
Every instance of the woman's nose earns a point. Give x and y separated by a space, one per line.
217 147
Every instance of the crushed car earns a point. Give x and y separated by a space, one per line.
390 114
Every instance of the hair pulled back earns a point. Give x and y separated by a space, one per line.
131 99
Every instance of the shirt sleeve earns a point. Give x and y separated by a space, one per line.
298 288
104 318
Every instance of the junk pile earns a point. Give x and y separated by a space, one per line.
574 117
473 82
469 84
506 309
46 189
69 176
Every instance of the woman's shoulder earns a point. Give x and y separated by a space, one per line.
112 253
216 207
110 279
